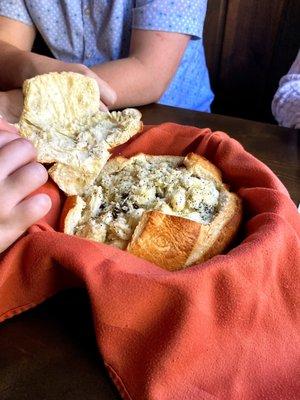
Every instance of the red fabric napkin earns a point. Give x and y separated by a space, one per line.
224 329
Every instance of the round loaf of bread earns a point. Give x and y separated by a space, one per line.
172 211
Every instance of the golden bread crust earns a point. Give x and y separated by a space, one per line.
71 214
211 240
217 236
166 240
200 166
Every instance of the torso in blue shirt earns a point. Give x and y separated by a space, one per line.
97 31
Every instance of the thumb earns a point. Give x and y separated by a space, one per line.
107 93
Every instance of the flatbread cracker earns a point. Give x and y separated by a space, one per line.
61 117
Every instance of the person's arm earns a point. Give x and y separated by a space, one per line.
143 77
139 79
16 40
20 175
18 63
286 102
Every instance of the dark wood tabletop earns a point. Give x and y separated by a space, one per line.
50 353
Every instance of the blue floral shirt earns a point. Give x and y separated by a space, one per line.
91 32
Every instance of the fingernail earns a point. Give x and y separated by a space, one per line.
45 201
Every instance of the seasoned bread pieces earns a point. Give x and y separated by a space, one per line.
62 119
60 101
172 211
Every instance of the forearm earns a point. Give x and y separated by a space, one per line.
18 65
14 65
134 83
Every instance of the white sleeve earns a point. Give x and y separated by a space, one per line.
286 102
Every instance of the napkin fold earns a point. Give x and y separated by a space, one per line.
224 329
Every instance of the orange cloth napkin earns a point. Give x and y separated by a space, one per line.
225 329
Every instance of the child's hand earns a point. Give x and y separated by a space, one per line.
43 65
20 175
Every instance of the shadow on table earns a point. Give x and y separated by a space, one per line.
50 353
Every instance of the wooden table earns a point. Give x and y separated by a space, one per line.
50 353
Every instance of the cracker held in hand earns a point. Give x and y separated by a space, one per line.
172 211
61 117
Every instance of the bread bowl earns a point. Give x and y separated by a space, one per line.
172 211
